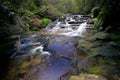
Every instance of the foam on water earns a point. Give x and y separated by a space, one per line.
70 26
40 49
79 31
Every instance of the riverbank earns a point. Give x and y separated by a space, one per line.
103 57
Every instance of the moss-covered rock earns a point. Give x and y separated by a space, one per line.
24 67
45 22
85 76
103 55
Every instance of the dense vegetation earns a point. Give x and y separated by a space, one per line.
108 16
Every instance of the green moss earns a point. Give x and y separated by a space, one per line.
95 70
45 22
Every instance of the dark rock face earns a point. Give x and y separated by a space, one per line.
108 16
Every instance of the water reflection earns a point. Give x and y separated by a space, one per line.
63 49
55 70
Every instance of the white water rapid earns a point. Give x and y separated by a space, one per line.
73 25
81 29
40 49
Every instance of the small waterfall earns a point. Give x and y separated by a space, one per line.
57 25
54 29
70 25
67 27
79 31
28 45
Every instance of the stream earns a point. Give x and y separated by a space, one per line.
51 53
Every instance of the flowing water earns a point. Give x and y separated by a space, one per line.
49 54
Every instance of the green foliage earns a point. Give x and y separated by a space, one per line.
28 8
9 5
63 6
45 22
95 11
108 15
34 28
95 20
50 11
101 18
85 6
53 9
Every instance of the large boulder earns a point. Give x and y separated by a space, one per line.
36 22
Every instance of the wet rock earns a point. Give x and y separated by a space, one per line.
51 25
23 67
103 55
99 47
114 44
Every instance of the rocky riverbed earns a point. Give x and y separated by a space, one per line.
67 49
